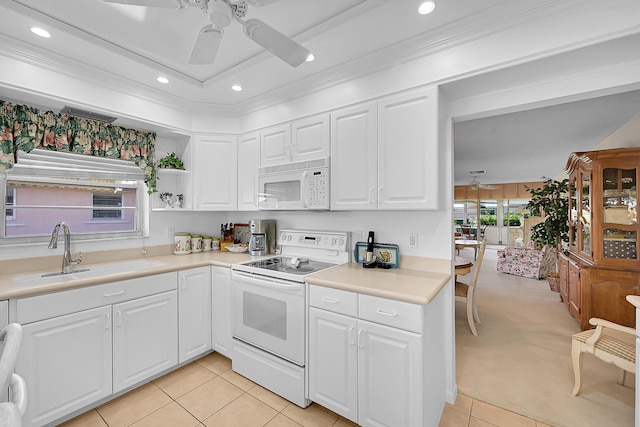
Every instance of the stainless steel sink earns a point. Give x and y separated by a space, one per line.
85 273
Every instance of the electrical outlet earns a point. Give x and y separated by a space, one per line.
413 240
357 236
171 231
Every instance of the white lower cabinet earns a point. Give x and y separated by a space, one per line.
221 310
368 372
194 308
145 338
82 345
66 363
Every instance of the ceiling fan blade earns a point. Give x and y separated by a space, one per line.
275 42
172 4
206 47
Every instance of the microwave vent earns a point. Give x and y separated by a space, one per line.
87 114
286 167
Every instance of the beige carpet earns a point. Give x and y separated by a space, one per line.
521 360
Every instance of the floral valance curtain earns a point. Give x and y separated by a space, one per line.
25 128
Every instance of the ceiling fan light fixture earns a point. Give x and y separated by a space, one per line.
219 13
162 80
310 57
426 7
236 88
275 42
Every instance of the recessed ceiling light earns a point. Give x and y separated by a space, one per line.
310 57
40 32
163 80
237 88
426 7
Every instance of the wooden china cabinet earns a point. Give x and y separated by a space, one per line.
602 266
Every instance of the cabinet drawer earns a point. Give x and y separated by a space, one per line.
397 314
336 300
46 306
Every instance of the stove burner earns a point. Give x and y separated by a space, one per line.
304 269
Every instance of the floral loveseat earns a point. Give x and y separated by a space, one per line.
527 262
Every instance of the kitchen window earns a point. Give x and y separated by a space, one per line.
10 200
97 197
105 201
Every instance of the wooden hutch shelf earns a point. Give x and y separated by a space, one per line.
602 266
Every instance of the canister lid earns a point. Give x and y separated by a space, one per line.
183 234
206 237
196 235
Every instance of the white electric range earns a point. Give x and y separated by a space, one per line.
268 309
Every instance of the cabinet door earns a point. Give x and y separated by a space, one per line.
354 157
66 363
389 376
221 310
333 358
310 138
215 174
145 338
248 164
564 279
275 145
194 312
575 290
408 150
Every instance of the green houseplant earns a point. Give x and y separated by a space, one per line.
171 161
551 201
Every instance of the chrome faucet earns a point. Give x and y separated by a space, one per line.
67 262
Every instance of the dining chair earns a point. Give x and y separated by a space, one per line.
12 410
467 292
609 342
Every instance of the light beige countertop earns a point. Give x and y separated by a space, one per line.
418 280
8 289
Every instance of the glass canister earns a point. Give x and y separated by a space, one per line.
182 243
206 243
196 243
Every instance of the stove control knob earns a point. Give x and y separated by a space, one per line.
333 242
341 242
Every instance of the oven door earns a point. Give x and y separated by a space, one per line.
269 314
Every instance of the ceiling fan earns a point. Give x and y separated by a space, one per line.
475 184
221 13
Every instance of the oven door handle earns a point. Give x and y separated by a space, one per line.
268 282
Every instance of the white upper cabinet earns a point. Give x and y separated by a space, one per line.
384 154
354 142
408 150
248 164
275 145
310 138
300 140
216 172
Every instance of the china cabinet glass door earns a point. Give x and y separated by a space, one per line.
573 214
619 214
585 214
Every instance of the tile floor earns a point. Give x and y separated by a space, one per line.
208 393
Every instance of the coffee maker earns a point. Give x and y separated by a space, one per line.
263 237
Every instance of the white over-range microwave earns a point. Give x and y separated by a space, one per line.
294 186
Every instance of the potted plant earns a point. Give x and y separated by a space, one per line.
551 201
171 161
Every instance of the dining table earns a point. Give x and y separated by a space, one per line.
475 244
